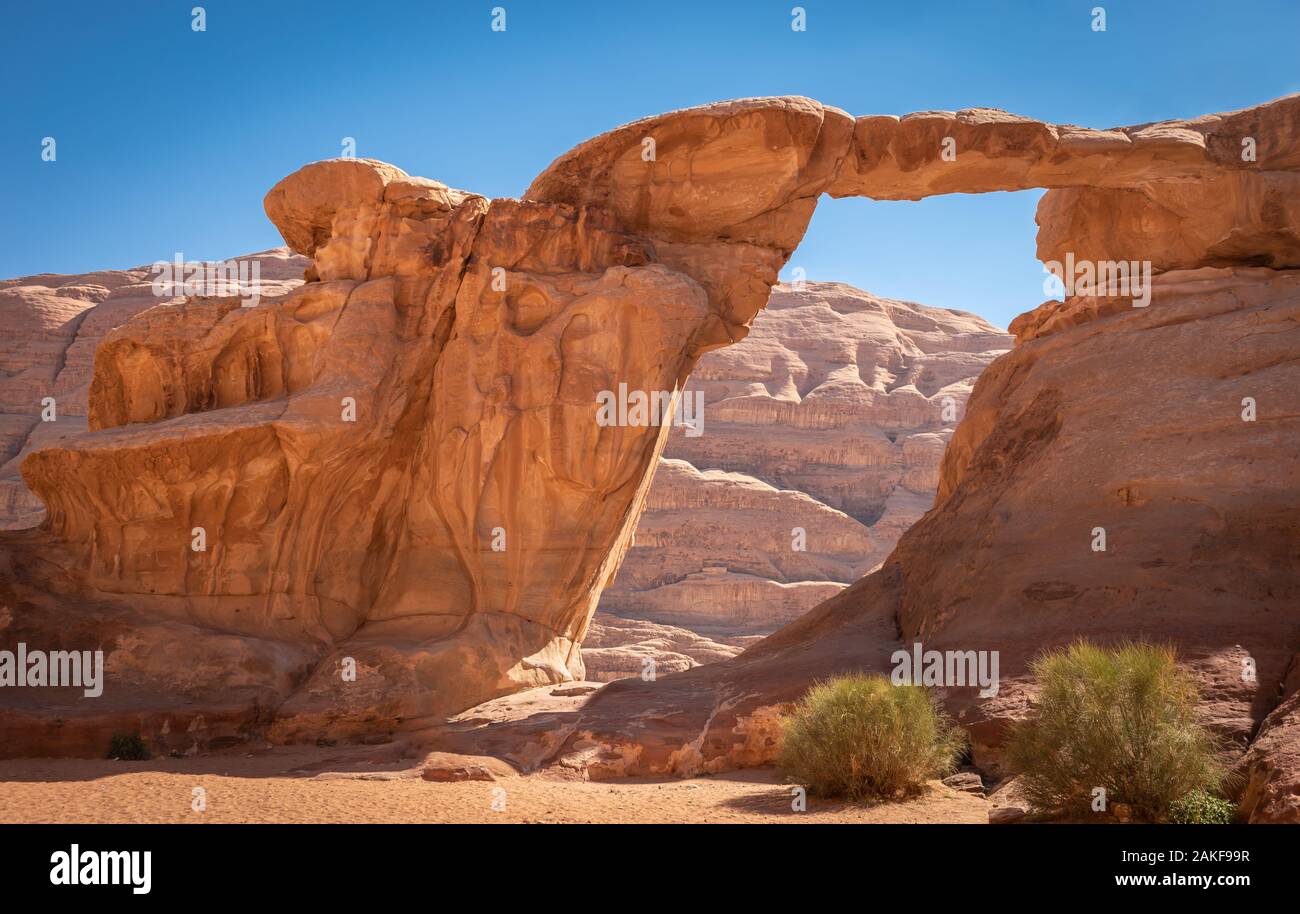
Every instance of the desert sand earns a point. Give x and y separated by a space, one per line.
324 785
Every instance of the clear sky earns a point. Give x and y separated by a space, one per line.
167 138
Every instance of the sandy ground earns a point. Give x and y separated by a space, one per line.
308 785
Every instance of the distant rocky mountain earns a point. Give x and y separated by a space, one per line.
830 418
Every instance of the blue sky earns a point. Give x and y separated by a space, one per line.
168 138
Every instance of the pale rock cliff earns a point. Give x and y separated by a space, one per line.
823 432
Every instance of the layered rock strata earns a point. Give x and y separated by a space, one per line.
823 433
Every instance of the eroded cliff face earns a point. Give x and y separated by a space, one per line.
1131 423
351 451
53 325
831 416
823 433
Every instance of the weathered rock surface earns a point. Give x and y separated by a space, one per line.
829 418
396 393
843 454
618 648
1130 422
1271 767
52 326
472 336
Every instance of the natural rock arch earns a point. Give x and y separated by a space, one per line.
472 336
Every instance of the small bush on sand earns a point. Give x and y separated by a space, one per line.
1201 808
128 747
1123 719
864 738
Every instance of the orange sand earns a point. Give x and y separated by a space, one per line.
274 787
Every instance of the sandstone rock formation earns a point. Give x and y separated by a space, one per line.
472 336
52 326
1271 766
1199 509
349 455
830 418
620 648
1105 416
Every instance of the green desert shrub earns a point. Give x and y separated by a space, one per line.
864 738
1123 719
1201 808
128 747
